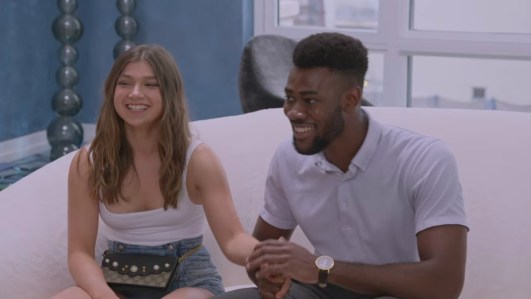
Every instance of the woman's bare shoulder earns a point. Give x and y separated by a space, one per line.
81 163
203 154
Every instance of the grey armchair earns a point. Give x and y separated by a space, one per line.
264 68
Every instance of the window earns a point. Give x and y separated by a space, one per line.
508 16
494 84
353 14
413 45
373 86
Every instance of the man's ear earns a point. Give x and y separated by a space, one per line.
352 98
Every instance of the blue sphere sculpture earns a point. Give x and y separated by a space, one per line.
126 7
67 6
126 27
122 46
67 54
65 129
64 133
67 102
67 29
67 76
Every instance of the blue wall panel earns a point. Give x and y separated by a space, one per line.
27 64
205 36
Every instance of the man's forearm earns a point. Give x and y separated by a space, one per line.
405 280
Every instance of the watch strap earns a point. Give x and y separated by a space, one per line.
323 278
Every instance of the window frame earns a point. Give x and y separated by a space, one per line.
397 42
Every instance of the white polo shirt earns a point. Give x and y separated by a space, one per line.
398 184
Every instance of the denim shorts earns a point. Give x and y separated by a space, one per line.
196 271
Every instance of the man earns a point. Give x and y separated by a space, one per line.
381 205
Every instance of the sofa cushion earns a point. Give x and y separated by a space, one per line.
492 149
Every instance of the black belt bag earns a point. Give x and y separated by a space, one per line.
138 273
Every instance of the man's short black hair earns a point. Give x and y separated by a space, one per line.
336 51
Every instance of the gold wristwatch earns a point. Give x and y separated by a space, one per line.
324 263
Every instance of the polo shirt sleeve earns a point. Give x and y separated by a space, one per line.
276 210
436 191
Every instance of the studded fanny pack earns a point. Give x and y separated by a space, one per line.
132 272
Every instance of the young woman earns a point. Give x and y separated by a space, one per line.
152 183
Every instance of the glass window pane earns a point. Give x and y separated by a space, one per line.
474 83
373 87
350 14
490 16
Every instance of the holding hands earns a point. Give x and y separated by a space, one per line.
273 264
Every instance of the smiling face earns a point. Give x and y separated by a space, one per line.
312 105
137 96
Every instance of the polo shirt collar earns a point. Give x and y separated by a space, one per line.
366 152
370 144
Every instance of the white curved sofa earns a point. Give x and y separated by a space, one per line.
493 150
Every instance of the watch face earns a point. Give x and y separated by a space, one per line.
324 262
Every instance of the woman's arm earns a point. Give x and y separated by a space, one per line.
83 215
207 185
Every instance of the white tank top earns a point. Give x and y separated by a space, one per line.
159 226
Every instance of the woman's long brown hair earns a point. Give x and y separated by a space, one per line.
110 153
